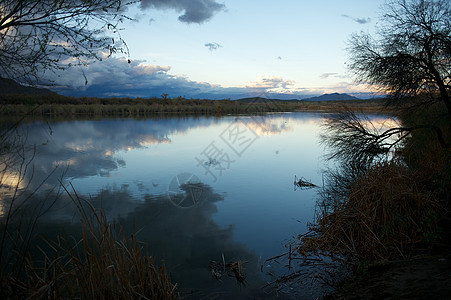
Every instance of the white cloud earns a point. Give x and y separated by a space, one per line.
146 69
270 82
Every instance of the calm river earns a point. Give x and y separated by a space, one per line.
199 189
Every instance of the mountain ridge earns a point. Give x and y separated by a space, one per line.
324 97
9 86
332 97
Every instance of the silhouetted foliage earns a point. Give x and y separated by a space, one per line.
47 35
356 139
410 57
411 52
387 196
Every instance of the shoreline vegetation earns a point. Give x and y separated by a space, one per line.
57 105
102 262
393 222
385 207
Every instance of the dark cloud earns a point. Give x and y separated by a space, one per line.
140 79
135 79
194 11
279 57
212 46
358 20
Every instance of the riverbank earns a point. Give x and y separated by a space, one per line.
52 104
424 277
391 218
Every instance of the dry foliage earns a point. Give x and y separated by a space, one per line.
390 211
103 264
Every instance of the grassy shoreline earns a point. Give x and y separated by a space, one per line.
58 105
392 225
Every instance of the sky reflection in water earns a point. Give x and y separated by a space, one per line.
244 165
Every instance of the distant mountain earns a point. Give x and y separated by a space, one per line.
332 97
263 100
325 97
9 86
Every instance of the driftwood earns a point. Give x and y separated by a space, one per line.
303 183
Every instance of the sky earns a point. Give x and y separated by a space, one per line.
232 49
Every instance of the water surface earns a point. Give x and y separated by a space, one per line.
200 189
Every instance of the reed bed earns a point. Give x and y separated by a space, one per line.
390 213
396 208
103 264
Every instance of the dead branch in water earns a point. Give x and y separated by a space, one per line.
303 183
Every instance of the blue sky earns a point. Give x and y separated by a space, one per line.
231 49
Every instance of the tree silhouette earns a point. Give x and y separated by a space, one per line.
48 35
385 172
411 52
409 58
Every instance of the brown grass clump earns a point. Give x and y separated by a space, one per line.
389 212
103 264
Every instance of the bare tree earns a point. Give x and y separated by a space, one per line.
48 35
381 169
409 57
411 52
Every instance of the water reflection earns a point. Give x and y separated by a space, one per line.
89 147
96 148
187 239
128 166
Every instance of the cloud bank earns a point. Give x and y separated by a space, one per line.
140 79
135 79
194 11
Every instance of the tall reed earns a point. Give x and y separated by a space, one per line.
388 214
104 263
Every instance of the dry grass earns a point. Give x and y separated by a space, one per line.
390 212
103 264
398 207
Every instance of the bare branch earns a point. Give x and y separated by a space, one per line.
411 53
50 35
